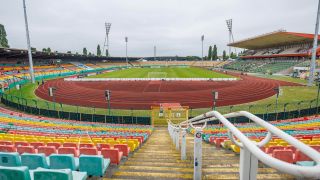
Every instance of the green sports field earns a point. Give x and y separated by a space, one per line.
163 72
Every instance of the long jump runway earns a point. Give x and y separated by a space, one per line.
144 94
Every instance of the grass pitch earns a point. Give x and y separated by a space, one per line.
170 72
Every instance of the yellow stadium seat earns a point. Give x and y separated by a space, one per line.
235 148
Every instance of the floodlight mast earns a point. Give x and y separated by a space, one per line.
28 43
314 49
154 52
126 39
229 25
106 39
202 39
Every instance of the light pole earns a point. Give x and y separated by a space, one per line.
106 39
314 49
28 43
108 97
126 39
277 90
215 98
51 94
202 39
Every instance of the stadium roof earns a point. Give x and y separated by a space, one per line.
273 39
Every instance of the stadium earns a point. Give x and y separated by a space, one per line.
247 115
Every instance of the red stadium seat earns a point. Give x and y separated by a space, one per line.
6 143
113 154
75 145
36 144
284 155
292 148
299 156
86 145
102 146
271 148
7 148
26 149
123 148
316 147
19 143
54 144
68 150
88 151
47 150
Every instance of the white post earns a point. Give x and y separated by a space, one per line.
183 145
197 153
248 165
177 138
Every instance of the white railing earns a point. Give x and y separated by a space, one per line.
150 79
250 151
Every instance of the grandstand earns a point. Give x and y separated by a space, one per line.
273 52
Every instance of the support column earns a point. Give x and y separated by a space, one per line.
197 154
177 139
183 145
248 165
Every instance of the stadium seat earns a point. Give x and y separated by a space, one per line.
11 173
47 150
61 174
63 161
123 148
75 145
6 143
68 150
88 151
55 144
37 144
7 148
19 143
33 161
88 145
101 146
299 156
10 159
113 154
284 155
306 163
93 165
26 149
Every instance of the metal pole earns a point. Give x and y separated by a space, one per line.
314 49
197 175
126 39
183 145
28 43
154 52
318 97
202 39
109 107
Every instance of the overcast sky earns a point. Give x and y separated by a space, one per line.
174 26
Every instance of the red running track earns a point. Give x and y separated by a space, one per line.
144 94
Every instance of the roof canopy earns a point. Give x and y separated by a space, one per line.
273 39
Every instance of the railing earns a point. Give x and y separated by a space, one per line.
250 151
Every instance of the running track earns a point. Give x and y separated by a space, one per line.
144 94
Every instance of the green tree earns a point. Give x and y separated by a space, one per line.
33 49
233 55
107 52
44 50
69 52
85 51
224 55
3 37
215 52
48 50
98 50
210 53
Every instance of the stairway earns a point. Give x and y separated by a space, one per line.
158 159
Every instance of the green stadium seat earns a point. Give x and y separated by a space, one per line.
33 161
61 174
64 161
94 165
306 163
18 173
10 159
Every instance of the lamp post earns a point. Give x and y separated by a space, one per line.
51 94
126 40
277 90
202 39
108 97
215 98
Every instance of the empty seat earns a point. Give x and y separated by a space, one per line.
75 145
93 165
61 174
63 161
68 150
9 159
86 145
123 148
88 151
26 149
284 155
55 144
19 173
102 145
7 148
19 143
306 163
299 156
272 148
33 161
6 143
113 154
47 150
37 144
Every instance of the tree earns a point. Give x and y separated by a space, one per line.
3 37
48 50
33 49
224 55
44 50
84 51
233 55
210 53
215 53
69 52
98 50
107 53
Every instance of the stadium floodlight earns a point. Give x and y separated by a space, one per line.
202 39
314 49
28 43
126 40
229 26
106 39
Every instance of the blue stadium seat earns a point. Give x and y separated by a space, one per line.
10 159
19 173
64 161
61 174
33 161
306 163
94 165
